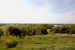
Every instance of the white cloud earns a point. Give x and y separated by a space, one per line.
21 11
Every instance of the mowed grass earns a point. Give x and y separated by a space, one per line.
44 42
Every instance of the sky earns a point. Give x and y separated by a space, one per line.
37 11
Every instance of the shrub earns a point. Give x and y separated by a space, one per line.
44 31
72 31
65 29
11 44
26 30
1 32
62 29
11 41
30 30
36 29
14 31
57 29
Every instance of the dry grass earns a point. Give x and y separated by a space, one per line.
42 42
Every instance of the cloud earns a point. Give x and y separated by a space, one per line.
23 12
37 11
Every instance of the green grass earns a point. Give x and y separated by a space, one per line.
41 42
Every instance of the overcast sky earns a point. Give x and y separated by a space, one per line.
37 11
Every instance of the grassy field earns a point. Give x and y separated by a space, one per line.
41 42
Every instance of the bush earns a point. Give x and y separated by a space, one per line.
65 29
14 31
11 44
1 33
30 30
72 31
62 29
36 29
11 41
57 29
26 30
44 31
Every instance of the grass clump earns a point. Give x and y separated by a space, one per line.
11 41
68 48
11 44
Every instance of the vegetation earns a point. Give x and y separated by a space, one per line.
37 37
12 42
14 31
